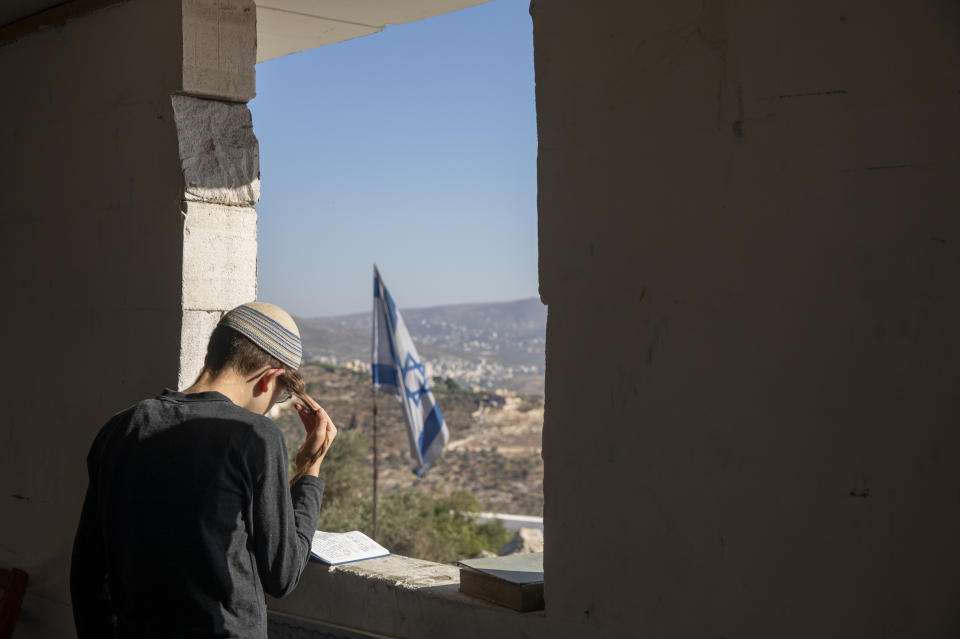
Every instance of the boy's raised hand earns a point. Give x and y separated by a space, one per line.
321 432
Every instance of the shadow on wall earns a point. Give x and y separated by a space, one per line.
218 151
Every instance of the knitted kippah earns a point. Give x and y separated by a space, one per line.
269 327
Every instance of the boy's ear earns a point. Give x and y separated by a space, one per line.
266 378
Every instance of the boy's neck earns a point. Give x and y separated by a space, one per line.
229 383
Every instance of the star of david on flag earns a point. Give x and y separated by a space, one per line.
399 371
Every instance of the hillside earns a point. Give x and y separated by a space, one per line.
493 452
488 346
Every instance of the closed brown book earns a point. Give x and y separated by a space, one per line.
514 581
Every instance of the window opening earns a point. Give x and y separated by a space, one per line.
414 148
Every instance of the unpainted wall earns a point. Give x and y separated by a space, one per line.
91 230
98 199
749 247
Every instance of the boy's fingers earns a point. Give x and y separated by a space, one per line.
307 400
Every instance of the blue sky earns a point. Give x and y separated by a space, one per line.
414 148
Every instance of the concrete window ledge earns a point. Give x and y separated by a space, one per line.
395 597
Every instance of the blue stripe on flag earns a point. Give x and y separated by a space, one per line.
431 428
385 374
392 308
391 340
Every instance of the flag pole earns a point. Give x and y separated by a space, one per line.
374 463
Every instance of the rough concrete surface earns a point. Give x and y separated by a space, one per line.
220 48
219 256
749 247
403 572
400 597
195 331
218 151
748 243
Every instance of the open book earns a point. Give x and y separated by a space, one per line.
340 548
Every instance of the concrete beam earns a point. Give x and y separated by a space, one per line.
220 48
219 40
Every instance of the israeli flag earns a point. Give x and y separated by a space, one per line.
398 370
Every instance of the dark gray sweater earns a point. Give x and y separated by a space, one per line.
187 521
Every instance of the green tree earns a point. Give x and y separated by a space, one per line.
410 522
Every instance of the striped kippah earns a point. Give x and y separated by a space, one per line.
269 327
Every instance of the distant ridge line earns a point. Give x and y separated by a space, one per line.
417 309
493 345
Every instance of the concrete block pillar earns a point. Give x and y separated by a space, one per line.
220 161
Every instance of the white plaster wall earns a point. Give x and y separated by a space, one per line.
748 238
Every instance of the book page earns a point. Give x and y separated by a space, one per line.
338 548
